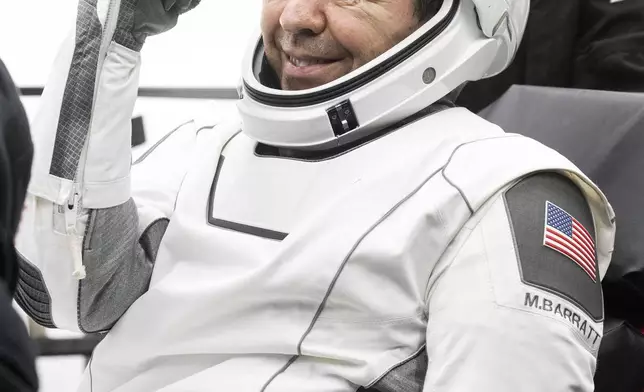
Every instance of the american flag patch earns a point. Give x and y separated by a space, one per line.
567 236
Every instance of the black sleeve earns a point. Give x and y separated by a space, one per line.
17 351
621 355
16 153
610 48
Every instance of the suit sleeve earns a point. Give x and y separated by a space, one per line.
93 221
515 305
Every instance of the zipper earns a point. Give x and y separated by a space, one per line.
108 31
74 237
74 200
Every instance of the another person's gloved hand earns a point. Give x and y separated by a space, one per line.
139 19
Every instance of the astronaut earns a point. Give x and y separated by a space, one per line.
351 230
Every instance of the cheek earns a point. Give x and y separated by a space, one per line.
270 17
362 41
270 25
350 32
369 32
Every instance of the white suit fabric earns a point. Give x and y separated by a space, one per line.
283 274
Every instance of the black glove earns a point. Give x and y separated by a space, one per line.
139 19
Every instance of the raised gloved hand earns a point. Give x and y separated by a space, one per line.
139 19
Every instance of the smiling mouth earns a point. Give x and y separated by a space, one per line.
300 62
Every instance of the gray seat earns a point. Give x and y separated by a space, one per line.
603 134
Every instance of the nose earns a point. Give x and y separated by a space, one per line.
303 16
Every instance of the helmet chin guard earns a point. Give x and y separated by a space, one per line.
466 40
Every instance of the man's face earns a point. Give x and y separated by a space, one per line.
313 42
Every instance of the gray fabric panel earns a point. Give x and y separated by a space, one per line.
544 267
119 264
409 376
32 295
152 236
123 34
78 98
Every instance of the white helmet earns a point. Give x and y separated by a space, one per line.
466 40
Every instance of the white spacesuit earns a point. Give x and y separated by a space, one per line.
362 235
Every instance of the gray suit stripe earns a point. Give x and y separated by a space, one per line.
78 98
123 34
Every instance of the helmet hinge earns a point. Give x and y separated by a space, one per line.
343 118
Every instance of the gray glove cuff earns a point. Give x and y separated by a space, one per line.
139 19
125 34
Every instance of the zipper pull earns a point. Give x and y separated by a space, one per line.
71 210
75 239
76 246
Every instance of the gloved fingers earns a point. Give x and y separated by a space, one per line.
180 6
151 18
168 4
189 5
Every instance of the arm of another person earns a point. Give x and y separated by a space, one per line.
92 226
17 351
508 313
610 48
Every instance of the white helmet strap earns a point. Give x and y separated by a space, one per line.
491 15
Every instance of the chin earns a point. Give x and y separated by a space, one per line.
296 84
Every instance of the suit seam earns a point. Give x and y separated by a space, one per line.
87 239
280 371
449 161
359 241
160 141
459 190
343 265
387 321
411 357
176 198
